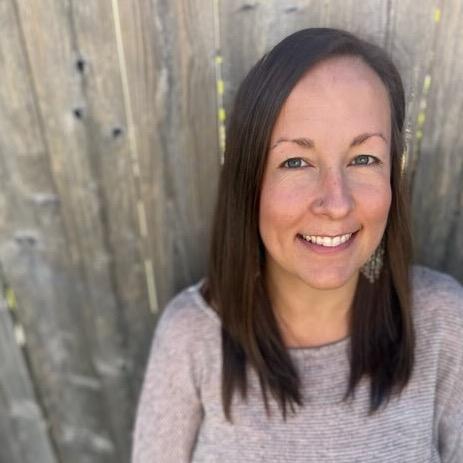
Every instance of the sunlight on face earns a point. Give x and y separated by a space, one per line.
332 178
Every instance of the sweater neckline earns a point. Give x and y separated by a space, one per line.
322 351
325 350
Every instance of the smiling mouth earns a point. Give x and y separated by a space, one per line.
327 241
328 246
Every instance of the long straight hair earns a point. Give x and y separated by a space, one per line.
382 335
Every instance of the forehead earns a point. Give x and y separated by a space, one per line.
340 94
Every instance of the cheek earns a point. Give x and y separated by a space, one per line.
374 200
281 203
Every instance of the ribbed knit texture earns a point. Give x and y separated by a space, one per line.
180 418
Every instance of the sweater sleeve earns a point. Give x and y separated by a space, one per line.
169 410
450 389
451 425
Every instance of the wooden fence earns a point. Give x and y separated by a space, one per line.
111 136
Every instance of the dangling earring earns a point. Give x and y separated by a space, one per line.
372 267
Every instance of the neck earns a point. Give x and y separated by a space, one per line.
308 315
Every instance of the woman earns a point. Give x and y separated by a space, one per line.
312 338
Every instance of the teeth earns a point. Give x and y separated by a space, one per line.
327 241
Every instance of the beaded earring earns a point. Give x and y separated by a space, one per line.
372 267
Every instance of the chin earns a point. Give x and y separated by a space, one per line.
328 279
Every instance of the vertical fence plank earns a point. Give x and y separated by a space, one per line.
108 150
249 29
438 189
73 136
10 449
410 40
37 260
169 53
367 19
75 80
23 430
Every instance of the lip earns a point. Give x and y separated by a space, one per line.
325 250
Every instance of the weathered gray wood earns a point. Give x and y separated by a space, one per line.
110 142
169 50
34 253
410 39
24 435
438 189
368 19
69 330
10 450
90 161
109 149
249 29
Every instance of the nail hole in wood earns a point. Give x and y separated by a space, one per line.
25 239
291 9
80 65
248 6
117 132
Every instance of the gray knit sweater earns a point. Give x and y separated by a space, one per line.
180 419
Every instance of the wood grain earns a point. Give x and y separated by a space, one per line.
438 186
24 436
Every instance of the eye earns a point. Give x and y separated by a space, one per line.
364 160
293 163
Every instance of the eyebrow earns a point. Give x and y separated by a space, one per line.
308 143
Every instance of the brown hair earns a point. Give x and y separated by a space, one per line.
382 334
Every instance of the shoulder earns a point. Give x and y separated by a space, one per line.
187 318
438 310
437 294
426 278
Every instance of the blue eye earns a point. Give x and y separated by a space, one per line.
293 163
364 158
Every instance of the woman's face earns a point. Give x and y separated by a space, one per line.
334 180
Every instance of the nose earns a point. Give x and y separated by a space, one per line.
334 196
